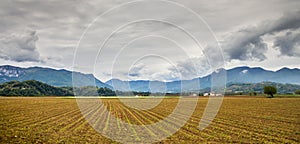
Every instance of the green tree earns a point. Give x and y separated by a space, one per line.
270 90
297 92
254 93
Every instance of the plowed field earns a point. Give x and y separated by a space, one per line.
240 120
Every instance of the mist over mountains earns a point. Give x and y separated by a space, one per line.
236 75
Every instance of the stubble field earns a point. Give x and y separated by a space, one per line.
240 120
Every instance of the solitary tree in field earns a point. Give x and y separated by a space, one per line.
270 90
297 92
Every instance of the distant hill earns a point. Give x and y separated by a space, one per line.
257 74
235 75
31 88
259 87
63 77
156 86
46 75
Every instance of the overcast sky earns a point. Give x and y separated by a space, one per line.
150 39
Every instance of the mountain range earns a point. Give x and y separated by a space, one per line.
234 76
46 75
64 78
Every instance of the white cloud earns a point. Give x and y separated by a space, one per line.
59 25
244 71
20 48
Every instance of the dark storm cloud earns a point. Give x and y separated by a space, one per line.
247 43
20 47
136 70
289 20
289 44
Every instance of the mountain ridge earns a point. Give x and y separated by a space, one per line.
281 69
242 74
54 77
63 77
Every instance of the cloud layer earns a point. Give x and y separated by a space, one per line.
289 44
247 43
255 33
20 48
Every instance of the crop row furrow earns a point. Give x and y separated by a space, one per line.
242 125
239 128
60 121
167 122
254 124
45 119
137 118
78 119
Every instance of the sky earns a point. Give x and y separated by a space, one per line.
150 39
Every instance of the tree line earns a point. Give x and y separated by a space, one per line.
31 88
36 88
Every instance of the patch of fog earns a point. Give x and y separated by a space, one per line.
244 71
